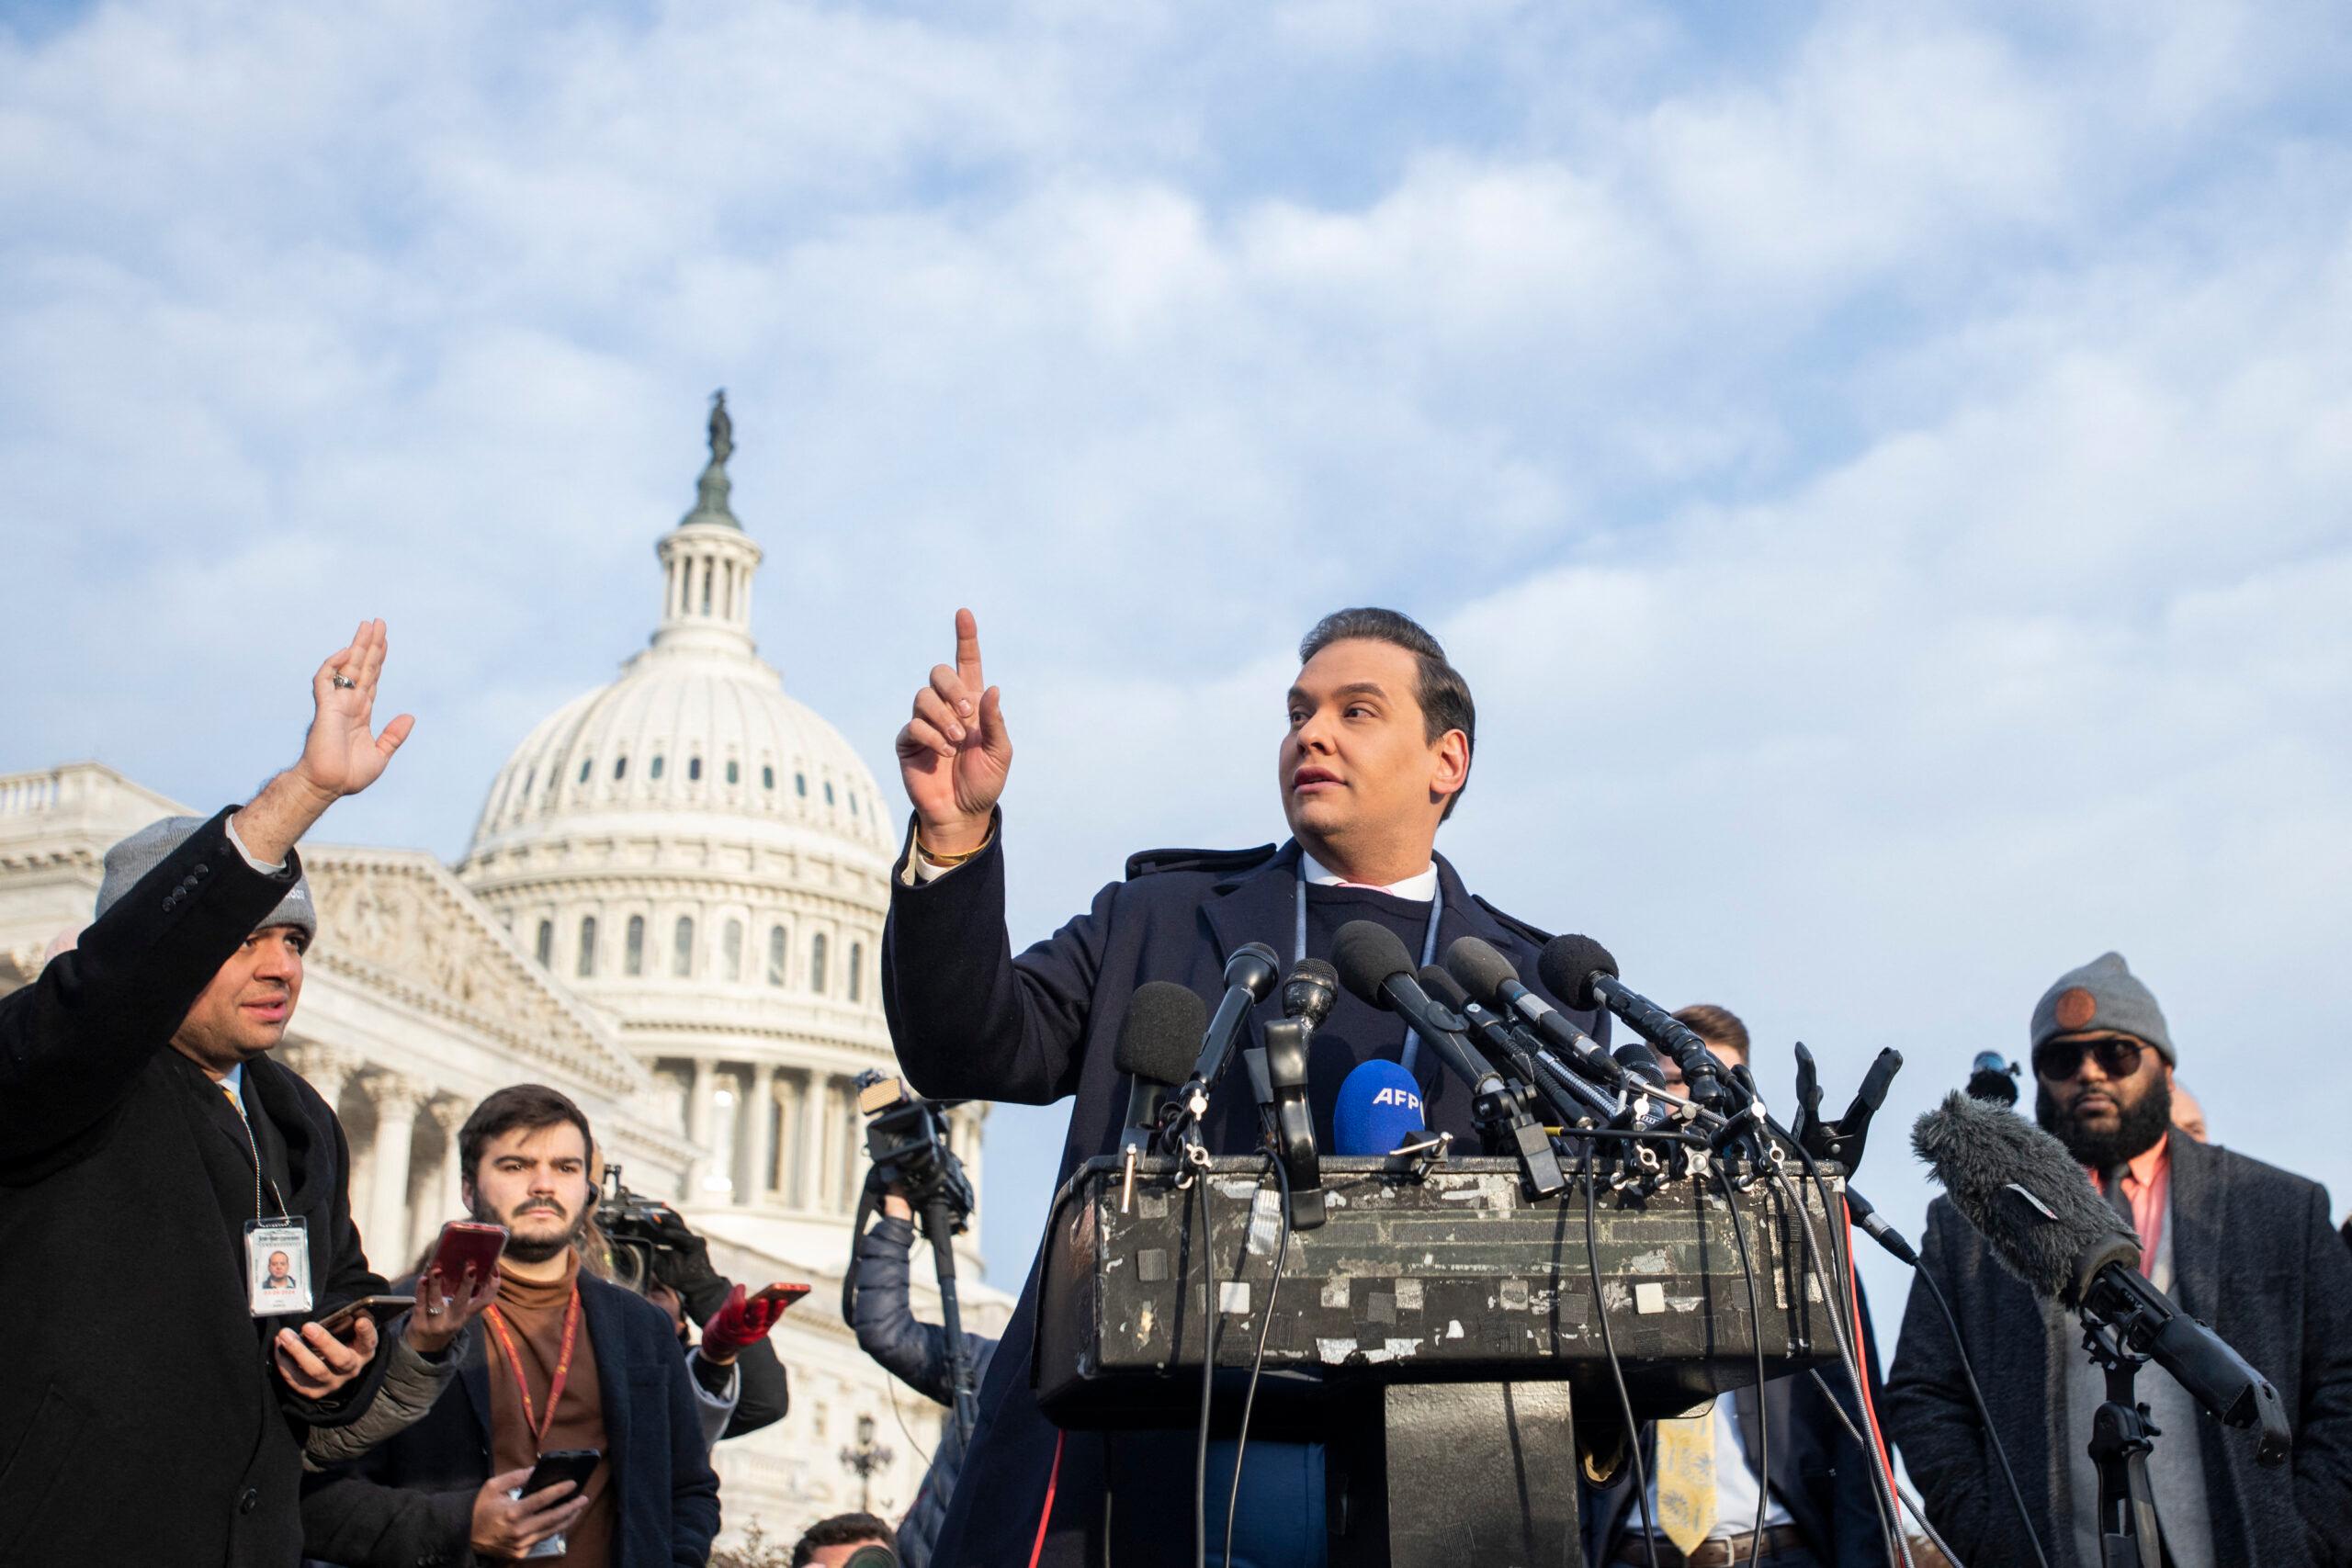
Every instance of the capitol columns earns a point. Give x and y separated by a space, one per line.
702 1112
760 1111
440 1198
398 1099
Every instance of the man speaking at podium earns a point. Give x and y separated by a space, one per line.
1374 752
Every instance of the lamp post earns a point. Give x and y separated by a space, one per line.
863 1458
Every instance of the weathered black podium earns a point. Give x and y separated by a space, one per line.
1440 1333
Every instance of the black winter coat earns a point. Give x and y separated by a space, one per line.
409 1503
141 1418
2255 1255
970 1020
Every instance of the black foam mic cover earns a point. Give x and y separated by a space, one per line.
2025 1195
1480 969
1640 1061
1160 1032
1568 965
1366 953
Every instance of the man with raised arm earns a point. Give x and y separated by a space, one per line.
1375 747
157 1411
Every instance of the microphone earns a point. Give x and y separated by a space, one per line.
1379 1109
1993 1079
1249 977
1155 1048
1487 974
1866 1215
1309 992
1374 966
1164 1022
1581 970
1578 1103
2030 1201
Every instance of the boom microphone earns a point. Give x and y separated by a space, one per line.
1578 1102
1581 970
1250 976
2030 1199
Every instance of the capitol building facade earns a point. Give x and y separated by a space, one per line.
671 909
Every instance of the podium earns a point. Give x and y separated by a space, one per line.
1440 1333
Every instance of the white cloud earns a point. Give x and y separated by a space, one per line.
1883 476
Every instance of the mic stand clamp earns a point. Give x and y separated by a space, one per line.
2121 1439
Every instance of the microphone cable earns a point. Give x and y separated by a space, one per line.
1258 1359
1208 1376
1918 1514
1616 1371
1755 1336
1968 1372
1882 1472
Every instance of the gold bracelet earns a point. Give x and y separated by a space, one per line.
949 862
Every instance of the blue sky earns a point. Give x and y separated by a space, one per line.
1883 470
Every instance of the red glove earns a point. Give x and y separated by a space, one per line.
739 1323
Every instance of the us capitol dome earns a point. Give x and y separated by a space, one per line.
698 854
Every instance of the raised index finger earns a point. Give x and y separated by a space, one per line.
967 651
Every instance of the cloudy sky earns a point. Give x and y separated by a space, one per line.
1882 469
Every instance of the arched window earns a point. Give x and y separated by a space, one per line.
732 953
768 776
633 955
856 970
620 769
655 770
801 785
775 956
817 963
734 772
682 951
587 946
587 765
828 792
853 803
693 770
545 947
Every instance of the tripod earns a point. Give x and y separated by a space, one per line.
2121 1439
939 1224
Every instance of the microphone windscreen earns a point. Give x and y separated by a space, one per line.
1162 1034
1481 969
1640 1061
1366 952
1569 963
1443 988
2024 1194
1379 1109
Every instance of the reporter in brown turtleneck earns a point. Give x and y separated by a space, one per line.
564 1360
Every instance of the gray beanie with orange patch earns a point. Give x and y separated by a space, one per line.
2102 994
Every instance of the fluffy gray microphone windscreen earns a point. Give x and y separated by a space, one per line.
2025 1195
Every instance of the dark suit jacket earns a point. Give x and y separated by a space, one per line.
141 1419
409 1503
969 1019
1819 1474
2255 1255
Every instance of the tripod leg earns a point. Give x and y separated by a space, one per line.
939 1222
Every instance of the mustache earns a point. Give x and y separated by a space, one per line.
539 1206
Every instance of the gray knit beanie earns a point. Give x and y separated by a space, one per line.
2102 994
142 852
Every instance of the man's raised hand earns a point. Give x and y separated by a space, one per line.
954 753
343 755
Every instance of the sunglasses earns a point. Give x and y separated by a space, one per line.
2059 1060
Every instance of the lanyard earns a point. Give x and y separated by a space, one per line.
531 1421
245 1123
1412 1048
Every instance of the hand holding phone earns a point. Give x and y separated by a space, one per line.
744 1321
383 1309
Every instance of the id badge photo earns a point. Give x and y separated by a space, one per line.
278 1266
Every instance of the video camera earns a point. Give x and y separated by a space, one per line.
907 1139
642 1230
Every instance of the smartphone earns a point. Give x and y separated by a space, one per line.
467 1241
383 1309
575 1466
783 1296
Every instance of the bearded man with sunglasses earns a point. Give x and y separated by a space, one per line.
2241 1244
